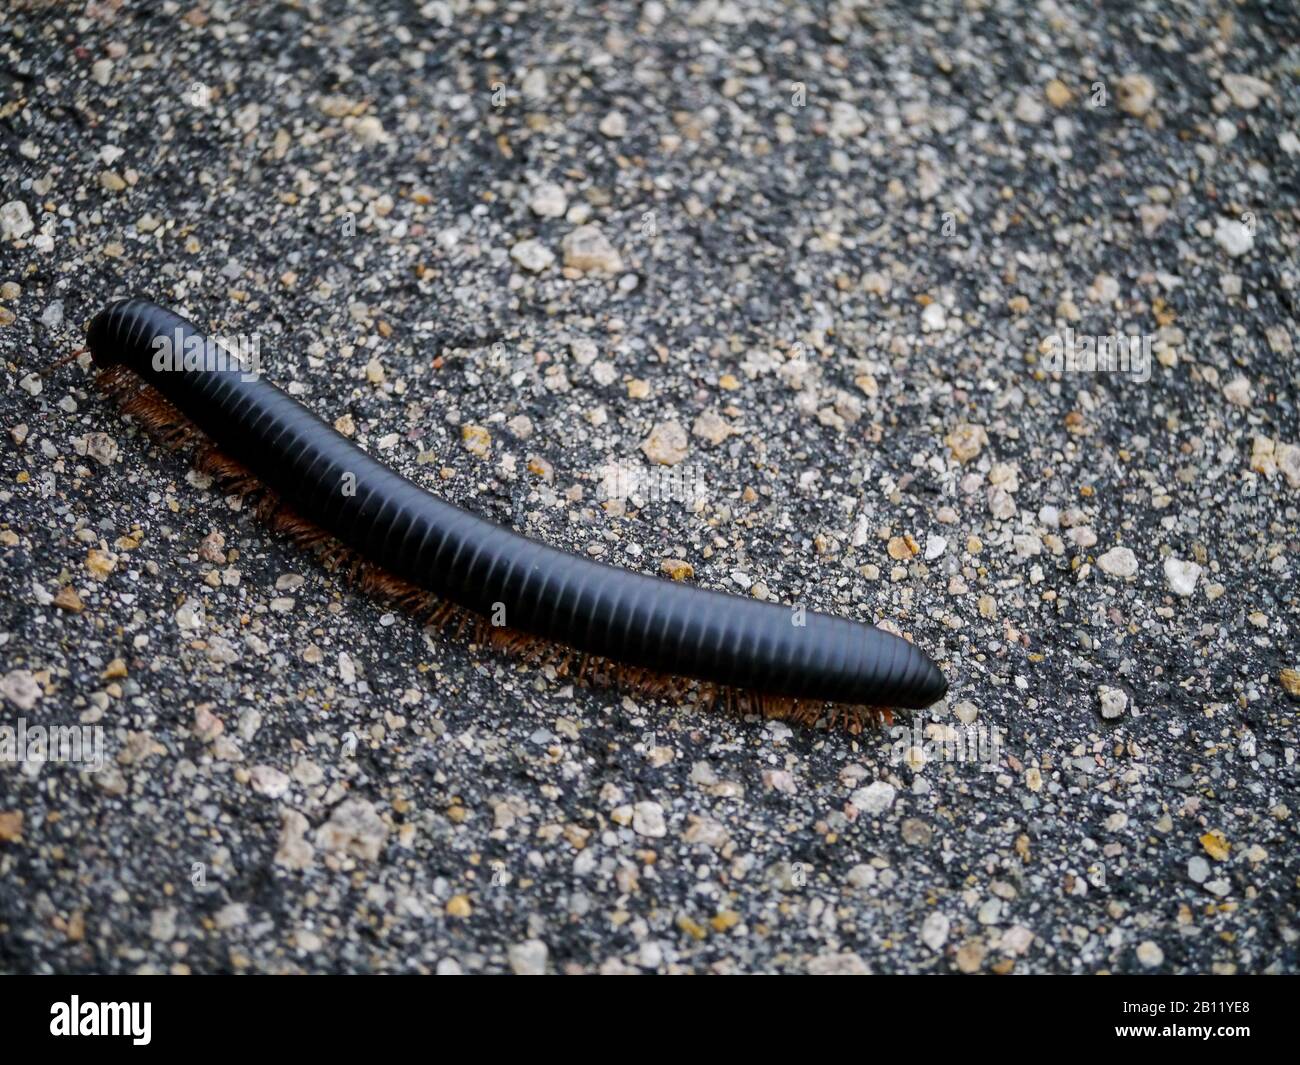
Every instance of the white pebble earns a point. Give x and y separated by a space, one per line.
1237 392
1118 562
875 798
1233 237
1182 576
1114 702
548 201
532 255
20 687
15 222
613 124
934 931
528 958
648 820
1246 91
933 319
269 781
1149 954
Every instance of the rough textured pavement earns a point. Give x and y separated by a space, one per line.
832 248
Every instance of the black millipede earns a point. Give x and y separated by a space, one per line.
586 618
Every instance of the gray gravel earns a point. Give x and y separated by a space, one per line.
809 260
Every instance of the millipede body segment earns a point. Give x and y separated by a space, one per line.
641 622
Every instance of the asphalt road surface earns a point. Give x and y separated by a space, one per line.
825 286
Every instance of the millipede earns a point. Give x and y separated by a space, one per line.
451 568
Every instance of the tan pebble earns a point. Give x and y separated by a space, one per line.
902 547
678 569
100 563
1058 95
691 927
1290 679
1135 94
68 599
876 283
868 384
712 427
666 444
970 955
586 249
1216 846
477 440
212 547
966 441
11 826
